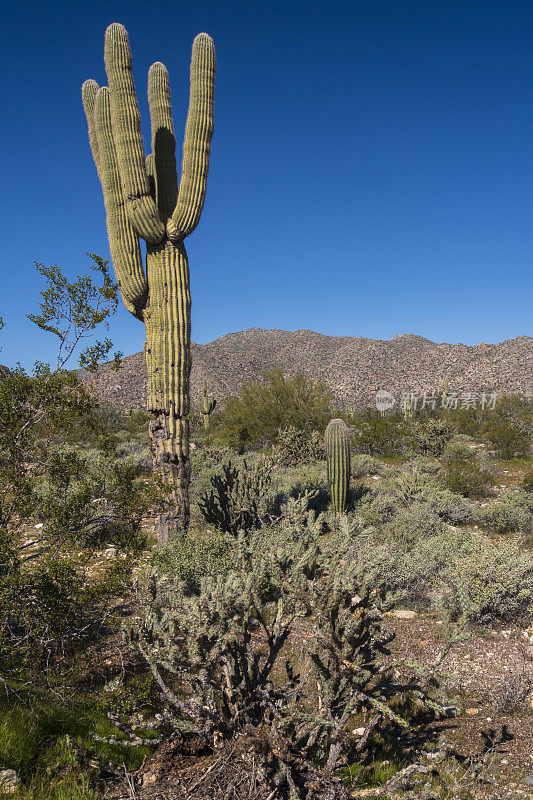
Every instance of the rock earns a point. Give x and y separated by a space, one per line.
472 711
39 525
528 634
9 781
402 613
359 731
528 780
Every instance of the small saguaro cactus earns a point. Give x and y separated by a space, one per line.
207 407
143 200
338 463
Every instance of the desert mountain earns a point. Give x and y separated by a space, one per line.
353 367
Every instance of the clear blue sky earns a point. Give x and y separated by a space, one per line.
371 170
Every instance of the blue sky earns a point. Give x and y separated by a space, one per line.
371 170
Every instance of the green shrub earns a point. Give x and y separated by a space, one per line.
527 481
363 465
468 479
423 465
399 489
457 452
510 438
480 581
460 571
512 511
413 523
432 436
254 418
191 556
379 436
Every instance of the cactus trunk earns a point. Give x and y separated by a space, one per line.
168 361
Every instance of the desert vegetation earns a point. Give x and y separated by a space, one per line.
271 597
269 645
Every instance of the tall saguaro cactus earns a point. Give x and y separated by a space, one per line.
207 407
338 463
143 200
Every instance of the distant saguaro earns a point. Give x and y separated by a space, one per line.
338 463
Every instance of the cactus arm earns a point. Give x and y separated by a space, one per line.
197 141
126 121
163 140
88 95
123 242
150 173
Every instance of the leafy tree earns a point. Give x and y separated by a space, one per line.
72 311
59 501
255 417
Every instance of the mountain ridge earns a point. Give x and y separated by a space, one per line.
352 366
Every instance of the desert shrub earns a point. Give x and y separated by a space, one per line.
468 479
191 556
78 499
293 447
512 511
255 417
379 436
450 507
511 690
399 490
482 582
363 464
423 465
527 481
432 436
464 574
137 453
418 520
457 451
463 473
510 438
206 645
240 497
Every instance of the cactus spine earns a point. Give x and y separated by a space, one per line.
143 200
207 407
338 463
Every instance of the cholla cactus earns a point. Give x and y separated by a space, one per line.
142 200
338 463
230 657
207 407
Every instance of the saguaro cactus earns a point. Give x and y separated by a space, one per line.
207 407
142 199
338 463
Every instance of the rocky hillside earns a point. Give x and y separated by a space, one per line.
353 367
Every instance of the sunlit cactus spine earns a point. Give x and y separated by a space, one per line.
207 407
143 200
338 463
